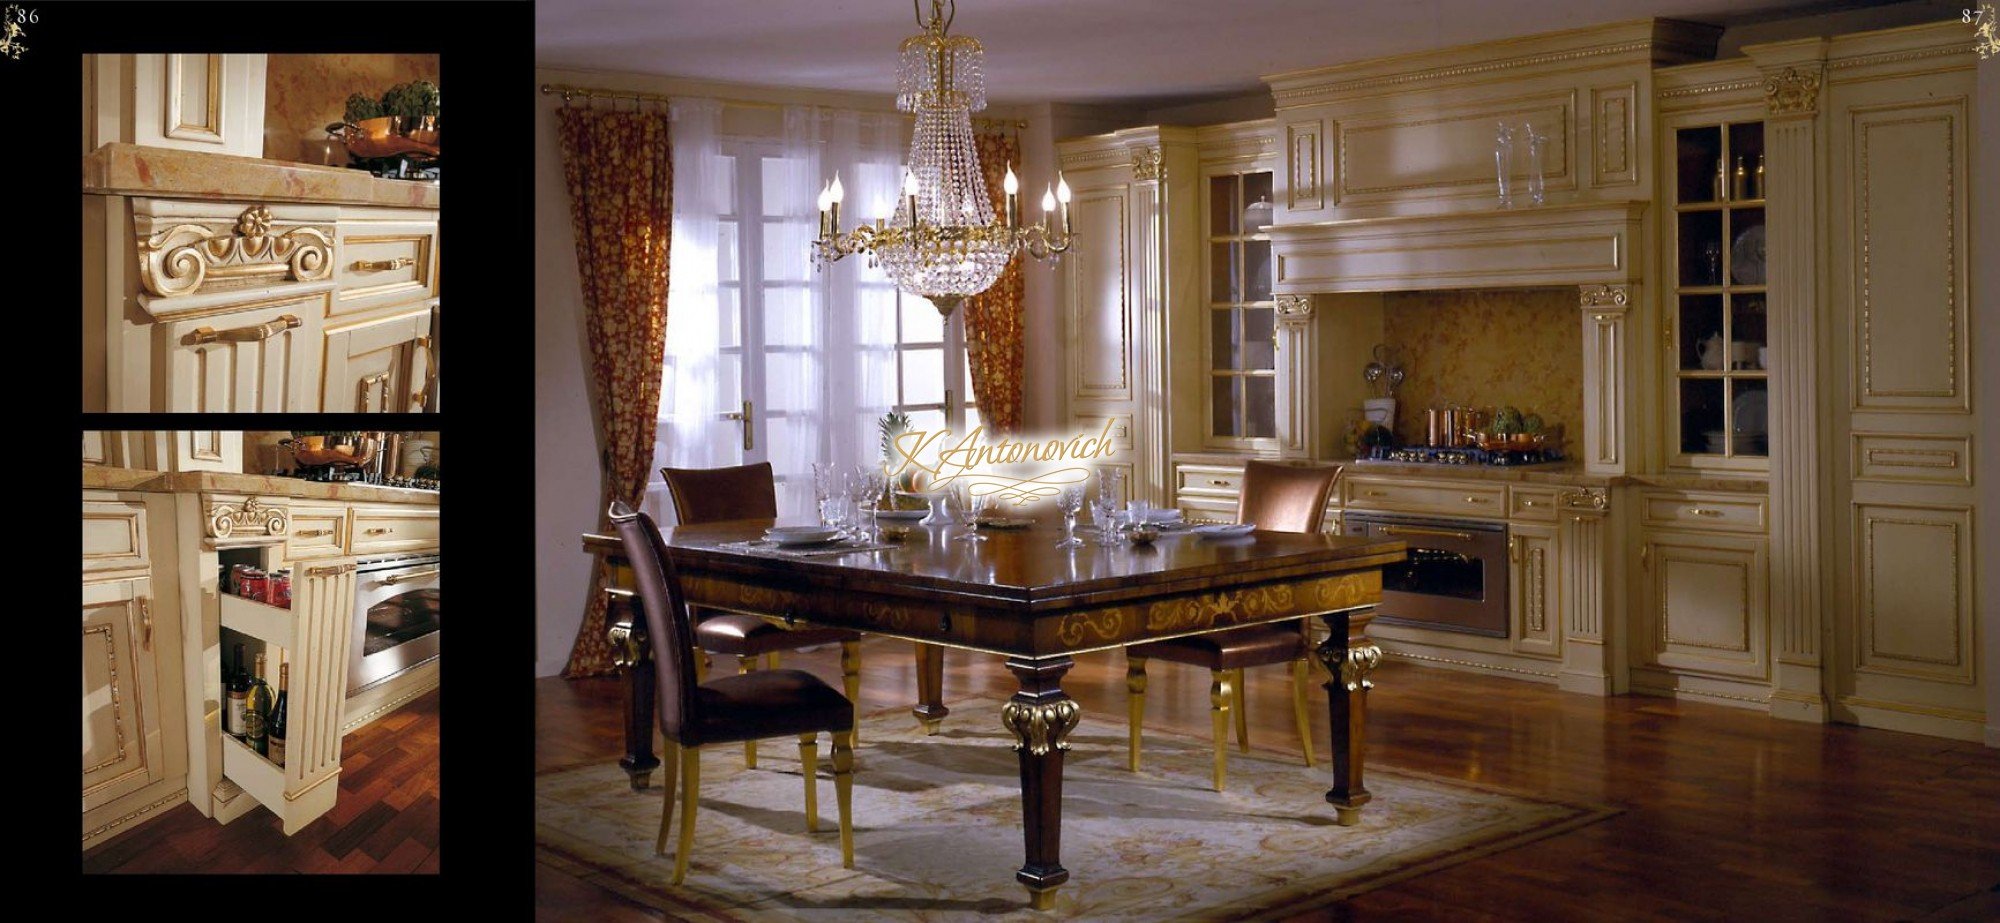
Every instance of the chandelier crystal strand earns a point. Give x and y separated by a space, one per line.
944 243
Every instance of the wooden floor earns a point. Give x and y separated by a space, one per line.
1728 814
385 820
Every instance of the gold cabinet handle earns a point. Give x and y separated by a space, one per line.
377 531
1435 533
400 262
394 579
1698 511
1514 548
430 372
146 620
1217 482
1478 500
250 334
311 533
1376 493
331 570
1646 557
1531 503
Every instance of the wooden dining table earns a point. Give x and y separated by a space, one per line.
1019 596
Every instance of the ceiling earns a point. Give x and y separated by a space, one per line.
1074 51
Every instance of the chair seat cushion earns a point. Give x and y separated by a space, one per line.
1255 646
767 703
750 636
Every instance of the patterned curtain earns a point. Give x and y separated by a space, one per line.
993 318
620 174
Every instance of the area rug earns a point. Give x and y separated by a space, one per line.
938 830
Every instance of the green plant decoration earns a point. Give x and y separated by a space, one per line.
361 108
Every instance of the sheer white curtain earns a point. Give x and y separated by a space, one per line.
818 359
693 393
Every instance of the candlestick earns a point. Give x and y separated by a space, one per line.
910 190
1062 196
1012 186
834 194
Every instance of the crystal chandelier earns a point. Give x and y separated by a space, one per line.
943 243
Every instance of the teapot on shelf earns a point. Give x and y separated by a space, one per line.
1712 351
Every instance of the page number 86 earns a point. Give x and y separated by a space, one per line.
31 17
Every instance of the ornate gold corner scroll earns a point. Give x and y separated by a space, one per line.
225 520
1792 92
1294 310
1601 297
178 260
1040 726
1594 499
1146 164
1351 664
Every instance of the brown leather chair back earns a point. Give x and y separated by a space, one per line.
667 622
718 494
1285 496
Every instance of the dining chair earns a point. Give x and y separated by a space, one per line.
693 714
750 492
1280 496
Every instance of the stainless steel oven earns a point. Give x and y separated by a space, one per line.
1455 578
396 624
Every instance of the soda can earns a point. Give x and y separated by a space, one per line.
255 585
280 592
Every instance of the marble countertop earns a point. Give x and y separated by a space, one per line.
131 169
105 478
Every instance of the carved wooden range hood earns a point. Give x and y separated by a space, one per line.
1388 176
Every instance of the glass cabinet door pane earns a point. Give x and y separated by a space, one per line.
1696 152
1256 186
1746 146
1701 248
1225 351
1746 246
1222 273
1749 419
1259 338
1223 410
1747 330
1257 270
1260 410
1223 206
1702 427
1700 327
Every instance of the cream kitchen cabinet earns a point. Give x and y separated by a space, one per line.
135 761
1703 613
1534 589
382 364
253 360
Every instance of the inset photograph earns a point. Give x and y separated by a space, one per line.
260 232
261 644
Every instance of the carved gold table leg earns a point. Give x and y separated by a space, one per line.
631 650
1349 656
930 708
1041 716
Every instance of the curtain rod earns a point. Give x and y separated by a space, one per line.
568 91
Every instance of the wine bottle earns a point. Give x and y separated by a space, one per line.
257 710
274 729
239 691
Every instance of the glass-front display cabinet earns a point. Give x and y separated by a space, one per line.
1718 350
1241 333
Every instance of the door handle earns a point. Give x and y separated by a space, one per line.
1434 533
311 533
1514 548
377 383
430 372
377 531
747 417
383 265
950 403
146 621
251 334
1646 557
394 579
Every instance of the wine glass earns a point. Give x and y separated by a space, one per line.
864 487
1104 504
969 505
1069 500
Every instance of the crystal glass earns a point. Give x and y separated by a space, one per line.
1102 509
864 485
969 505
822 473
1069 500
833 512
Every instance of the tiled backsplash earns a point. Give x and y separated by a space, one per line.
304 93
1487 348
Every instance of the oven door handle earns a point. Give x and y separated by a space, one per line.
394 579
1434 533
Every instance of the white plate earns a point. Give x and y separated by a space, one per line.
1751 411
901 515
1226 531
800 535
1746 257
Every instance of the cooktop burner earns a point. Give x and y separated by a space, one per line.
331 475
1441 455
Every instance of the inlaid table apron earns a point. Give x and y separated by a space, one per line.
1019 596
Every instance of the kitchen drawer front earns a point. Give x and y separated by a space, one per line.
379 529
384 261
1722 512
114 533
1531 503
1208 509
1207 480
1457 498
318 530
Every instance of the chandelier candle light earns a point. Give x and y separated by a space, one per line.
944 242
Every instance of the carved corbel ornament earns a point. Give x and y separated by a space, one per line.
1586 499
1146 164
628 643
1040 726
1793 91
178 260
1294 311
225 521
1351 664
1604 299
